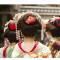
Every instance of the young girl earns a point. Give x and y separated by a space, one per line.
30 26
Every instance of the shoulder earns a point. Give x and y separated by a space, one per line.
43 48
42 45
16 51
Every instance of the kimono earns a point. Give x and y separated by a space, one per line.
6 52
36 50
1 51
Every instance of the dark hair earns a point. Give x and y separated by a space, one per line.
55 32
11 35
28 30
54 28
56 45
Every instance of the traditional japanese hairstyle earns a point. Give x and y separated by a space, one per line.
29 23
54 27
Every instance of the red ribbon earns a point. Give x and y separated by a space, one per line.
19 44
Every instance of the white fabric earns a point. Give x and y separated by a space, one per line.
1 52
40 48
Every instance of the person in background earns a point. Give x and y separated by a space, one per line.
55 49
45 37
53 29
5 44
30 25
11 37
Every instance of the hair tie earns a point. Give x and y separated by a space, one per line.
30 20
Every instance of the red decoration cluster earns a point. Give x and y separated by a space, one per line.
30 20
12 26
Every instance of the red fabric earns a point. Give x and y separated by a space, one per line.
4 52
12 26
19 44
31 20
34 46
58 25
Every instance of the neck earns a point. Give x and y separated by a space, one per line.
12 44
28 40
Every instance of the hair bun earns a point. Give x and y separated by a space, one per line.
30 20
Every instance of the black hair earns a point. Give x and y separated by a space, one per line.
11 35
53 28
56 45
28 30
55 32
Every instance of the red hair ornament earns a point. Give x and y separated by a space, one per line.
12 26
30 20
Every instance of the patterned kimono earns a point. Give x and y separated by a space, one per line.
36 50
6 52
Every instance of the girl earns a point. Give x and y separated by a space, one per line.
30 26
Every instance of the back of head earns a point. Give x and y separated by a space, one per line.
54 27
10 35
29 24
